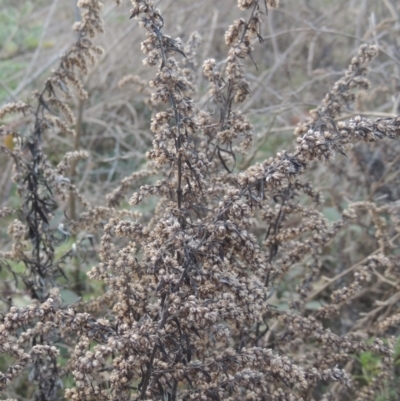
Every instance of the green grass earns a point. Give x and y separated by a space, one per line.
19 34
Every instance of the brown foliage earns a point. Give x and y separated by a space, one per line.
236 286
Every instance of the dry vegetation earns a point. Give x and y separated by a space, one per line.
157 240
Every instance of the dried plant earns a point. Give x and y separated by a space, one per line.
38 183
221 291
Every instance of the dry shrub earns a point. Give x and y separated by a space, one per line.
245 279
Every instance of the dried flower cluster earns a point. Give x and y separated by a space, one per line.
192 305
38 183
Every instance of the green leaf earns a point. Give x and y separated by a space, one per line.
68 296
